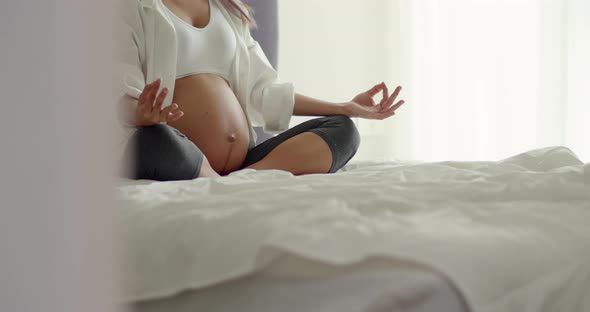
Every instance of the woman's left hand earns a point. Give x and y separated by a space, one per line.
364 106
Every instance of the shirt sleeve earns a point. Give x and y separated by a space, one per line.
130 55
271 102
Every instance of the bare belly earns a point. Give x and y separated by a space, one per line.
213 120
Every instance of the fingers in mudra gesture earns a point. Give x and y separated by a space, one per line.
364 105
149 106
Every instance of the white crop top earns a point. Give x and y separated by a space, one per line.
208 50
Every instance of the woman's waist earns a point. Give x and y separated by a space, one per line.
204 85
208 96
214 120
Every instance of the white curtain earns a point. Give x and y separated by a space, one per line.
486 79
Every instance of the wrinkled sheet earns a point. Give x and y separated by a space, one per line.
514 235
292 285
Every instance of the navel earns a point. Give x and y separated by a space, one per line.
231 138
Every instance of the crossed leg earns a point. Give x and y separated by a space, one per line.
305 153
321 145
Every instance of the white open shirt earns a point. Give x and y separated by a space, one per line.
149 53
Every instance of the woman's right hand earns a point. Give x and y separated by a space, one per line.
149 107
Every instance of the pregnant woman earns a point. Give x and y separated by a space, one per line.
196 83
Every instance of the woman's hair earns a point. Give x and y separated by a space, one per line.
242 10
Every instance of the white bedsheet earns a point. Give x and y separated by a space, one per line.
514 235
296 285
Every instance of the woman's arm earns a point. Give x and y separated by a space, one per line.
362 105
307 106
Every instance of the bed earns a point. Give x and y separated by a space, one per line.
510 235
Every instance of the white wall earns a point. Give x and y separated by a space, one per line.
578 77
335 49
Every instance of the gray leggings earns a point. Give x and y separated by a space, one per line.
163 153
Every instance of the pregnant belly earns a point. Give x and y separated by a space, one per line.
213 120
